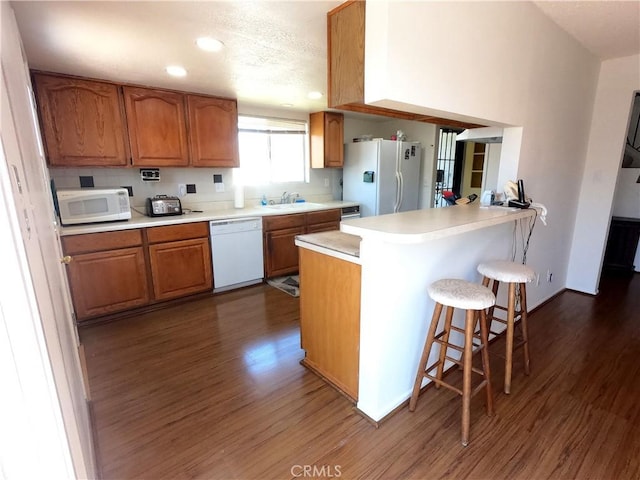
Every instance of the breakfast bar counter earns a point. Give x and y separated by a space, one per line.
399 256
419 226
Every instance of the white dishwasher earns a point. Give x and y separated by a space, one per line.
236 252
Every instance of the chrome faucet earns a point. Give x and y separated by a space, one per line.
289 197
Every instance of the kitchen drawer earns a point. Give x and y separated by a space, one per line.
95 242
279 222
170 233
324 227
324 216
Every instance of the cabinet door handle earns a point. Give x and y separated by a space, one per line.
66 259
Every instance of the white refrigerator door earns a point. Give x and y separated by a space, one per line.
387 179
410 160
361 157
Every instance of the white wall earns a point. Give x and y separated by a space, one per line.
527 73
618 80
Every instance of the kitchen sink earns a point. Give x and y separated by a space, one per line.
293 206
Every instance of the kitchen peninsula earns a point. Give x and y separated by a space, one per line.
386 316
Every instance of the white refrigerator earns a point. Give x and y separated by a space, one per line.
383 176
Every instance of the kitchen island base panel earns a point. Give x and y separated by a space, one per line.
330 379
330 318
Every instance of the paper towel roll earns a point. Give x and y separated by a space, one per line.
238 197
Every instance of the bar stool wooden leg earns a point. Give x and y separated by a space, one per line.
457 293
516 275
494 289
466 379
443 345
425 356
524 327
509 348
484 334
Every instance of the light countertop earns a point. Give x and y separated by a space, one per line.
336 244
208 213
418 226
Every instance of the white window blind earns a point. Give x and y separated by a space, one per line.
272 150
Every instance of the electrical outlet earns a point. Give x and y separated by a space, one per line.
549 276
219 187
326 182
182 189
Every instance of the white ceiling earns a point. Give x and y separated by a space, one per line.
275 51
608 29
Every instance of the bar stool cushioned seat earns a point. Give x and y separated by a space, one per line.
516 275
505 271
474 299
461 294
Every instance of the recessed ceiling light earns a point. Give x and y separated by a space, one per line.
287 105
209 44
314 95
176 71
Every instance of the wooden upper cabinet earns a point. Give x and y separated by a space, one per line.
345 47
326 130
156 122
82 121
213 131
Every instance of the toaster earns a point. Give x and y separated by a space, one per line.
163 205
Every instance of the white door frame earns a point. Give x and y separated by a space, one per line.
46 432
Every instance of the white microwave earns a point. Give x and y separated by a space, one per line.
92 205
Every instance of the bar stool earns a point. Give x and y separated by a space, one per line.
474 298
517 276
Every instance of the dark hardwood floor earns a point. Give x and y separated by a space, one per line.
213 389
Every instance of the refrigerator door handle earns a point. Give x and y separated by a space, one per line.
400 190
396 203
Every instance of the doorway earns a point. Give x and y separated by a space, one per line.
449 166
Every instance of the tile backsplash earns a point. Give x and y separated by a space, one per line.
324 185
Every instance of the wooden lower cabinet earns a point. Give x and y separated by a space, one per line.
330 318
323 221
111 272
107 272
280 251
177 268
107 282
